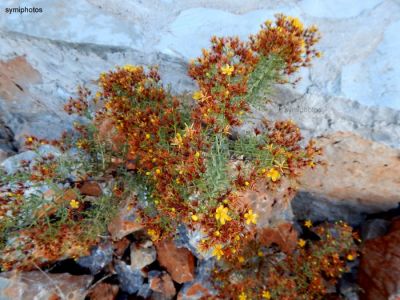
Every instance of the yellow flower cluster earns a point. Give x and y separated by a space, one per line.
250 217
221 214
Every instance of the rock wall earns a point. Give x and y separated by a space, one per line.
44 56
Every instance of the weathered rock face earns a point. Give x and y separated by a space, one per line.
379 271
37 285
142 254
162 284
360 176
179 262
322 103
272 207
125 222
104 291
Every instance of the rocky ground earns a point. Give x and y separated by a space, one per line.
349 100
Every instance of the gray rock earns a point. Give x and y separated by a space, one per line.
43 286
372 229
144 291
11 164
142 254
100 257
130 279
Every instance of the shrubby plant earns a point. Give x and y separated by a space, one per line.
181 159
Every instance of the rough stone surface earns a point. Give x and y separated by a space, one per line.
379 271
100 257
104 291
200 287
125 222
284 235
272 207
130 280
179 262
360 176
352 87
373 229
142 254
161 282
44 286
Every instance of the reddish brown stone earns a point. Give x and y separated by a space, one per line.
164 285
15 77
121 246
104 291
90 189
125 221
284 235
194 291
379 272
179 262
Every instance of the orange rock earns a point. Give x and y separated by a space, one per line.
120 246
179 262
379 271
104 291
125 221
194 291
90 189
15 77
284 235
272 207
358 173
163 284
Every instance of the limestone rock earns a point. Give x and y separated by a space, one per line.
104 291
379 271
125 222
142 254
99 258
130 280
272 207
161 282
284 235
179 262
360 176
38 285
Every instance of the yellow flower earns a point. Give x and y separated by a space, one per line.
350 257
296 23
218 252
197 95
177 141
130 68
273 174
301 243
158 171
195 218
241 259
221 214
148 173
147 136
311 164
74 204
242 296
260 253
217 233
266 295
308 223
227 70
197 154
153 234
250 217
247 183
